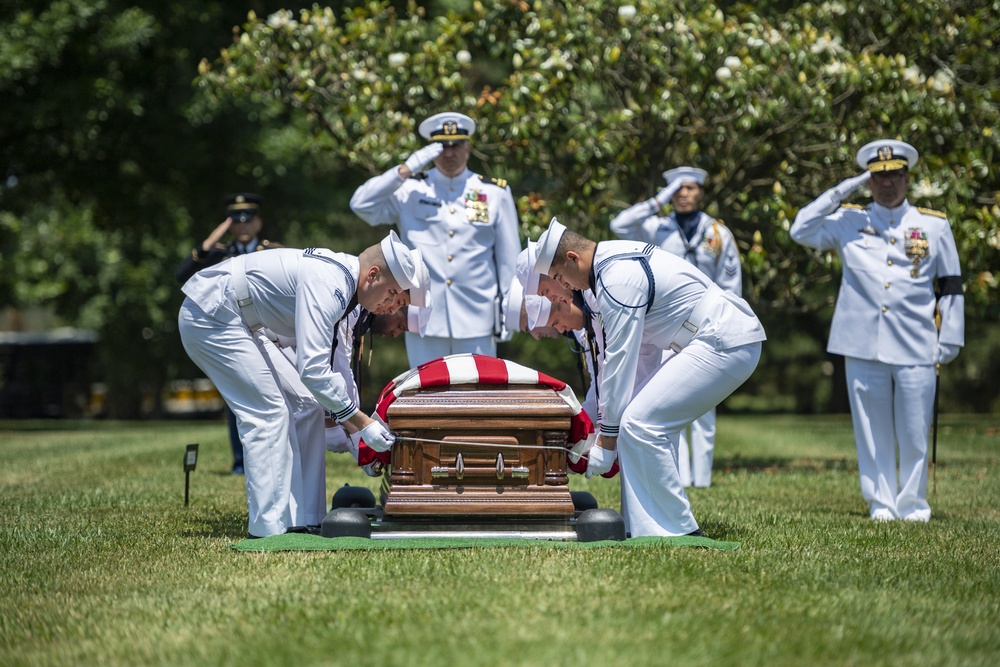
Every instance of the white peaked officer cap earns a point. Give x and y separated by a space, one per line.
404 266
515 300
887 155
548 243
685 175
447 127
524 268
538 308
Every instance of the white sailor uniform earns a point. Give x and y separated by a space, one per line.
883 324
300 294
647 295
712 248
467 229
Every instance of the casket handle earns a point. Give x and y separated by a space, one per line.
459 469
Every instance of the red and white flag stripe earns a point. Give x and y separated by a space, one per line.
477 369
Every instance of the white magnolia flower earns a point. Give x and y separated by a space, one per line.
834 68
942 81
733 63
912 74
463 57
280 19
826 44
626 11
925 189
398 59
723 74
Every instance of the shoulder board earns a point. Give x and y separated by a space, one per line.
930 211
221 246
857 207
499 182
265 245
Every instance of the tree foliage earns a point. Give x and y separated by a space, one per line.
582 105
113 163
103 173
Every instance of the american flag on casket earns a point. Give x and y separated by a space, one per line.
478 369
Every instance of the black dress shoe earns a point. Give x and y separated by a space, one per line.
696 533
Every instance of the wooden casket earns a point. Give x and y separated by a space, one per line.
479 453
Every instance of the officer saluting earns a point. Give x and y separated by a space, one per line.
243 219
466 228
893 256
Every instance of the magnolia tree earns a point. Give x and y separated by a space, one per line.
582 105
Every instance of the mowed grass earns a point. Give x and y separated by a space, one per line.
101 564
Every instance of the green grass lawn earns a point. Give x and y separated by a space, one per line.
101 564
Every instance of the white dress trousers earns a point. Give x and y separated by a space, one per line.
698 374
295 294
279 420
712 248
891 261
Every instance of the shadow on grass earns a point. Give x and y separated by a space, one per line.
215 524
774 465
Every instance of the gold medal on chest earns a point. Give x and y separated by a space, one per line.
476 208
915 244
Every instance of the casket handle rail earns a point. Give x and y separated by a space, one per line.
459 469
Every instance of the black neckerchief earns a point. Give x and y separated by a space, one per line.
688 223
588 326
361 327
351 305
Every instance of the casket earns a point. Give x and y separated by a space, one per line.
475 453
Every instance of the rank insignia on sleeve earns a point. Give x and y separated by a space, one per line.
476 208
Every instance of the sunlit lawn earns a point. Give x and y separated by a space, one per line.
101 564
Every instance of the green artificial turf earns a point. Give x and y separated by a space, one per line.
102 564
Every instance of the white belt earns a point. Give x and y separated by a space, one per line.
248 311
696 319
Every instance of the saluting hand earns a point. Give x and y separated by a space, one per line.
663 196
216 235
849 185
422 157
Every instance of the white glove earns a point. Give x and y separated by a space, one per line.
849 185
423 157
662 198
600 460
946 353
378 437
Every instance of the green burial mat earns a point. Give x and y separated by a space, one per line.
308 542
